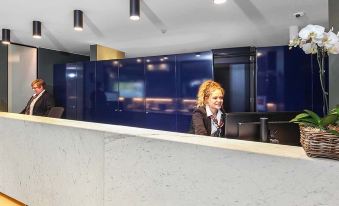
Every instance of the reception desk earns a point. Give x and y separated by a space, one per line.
56 162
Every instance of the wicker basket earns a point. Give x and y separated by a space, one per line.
319 143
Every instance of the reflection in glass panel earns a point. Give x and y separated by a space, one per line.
187 105
160 105
71 93
132 85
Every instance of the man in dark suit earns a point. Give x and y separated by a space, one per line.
41 102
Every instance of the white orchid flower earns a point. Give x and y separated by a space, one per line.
334 49
315 32
309 48
331 38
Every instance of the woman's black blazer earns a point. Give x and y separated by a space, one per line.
42 106
201 124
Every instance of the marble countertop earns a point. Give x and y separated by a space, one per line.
67 162
232 144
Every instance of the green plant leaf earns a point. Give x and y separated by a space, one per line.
313 115
299 116
329 119
308 121
335 110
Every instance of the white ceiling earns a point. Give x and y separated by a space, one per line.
189 25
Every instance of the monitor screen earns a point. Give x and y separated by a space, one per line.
246 126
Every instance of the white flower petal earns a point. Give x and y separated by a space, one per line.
304 33
332 38
307 48
315 31
334 49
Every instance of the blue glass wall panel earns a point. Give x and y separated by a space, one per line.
88 88
132 92
160 92
105 97
71 90
59 87
287 80
192 70
66 77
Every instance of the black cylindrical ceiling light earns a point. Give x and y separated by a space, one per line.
78 20
134 10
37 29
6 36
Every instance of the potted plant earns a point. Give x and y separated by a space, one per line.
328 123
319 136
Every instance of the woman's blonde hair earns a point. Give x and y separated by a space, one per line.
205 90
39 83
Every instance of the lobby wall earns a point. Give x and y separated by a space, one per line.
22 69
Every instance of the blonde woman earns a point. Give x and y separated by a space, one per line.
208 117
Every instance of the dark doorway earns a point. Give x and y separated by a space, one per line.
234 69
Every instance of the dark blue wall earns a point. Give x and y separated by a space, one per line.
287 80
159 92
154 92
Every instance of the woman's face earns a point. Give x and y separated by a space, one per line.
37 90
215 100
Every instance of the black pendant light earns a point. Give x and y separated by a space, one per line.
134 10
6 36
37 29
78 20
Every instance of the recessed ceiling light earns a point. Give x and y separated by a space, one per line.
219 1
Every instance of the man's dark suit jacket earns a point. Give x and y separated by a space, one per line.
42 106
201 124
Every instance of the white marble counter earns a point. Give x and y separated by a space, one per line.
63 162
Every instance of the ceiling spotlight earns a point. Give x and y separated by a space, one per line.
78 20
37 29
219 1
134 10
6 36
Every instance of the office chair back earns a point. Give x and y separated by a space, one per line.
56 112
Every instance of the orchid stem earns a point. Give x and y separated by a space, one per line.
321 63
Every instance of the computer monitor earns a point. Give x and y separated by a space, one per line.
246 126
